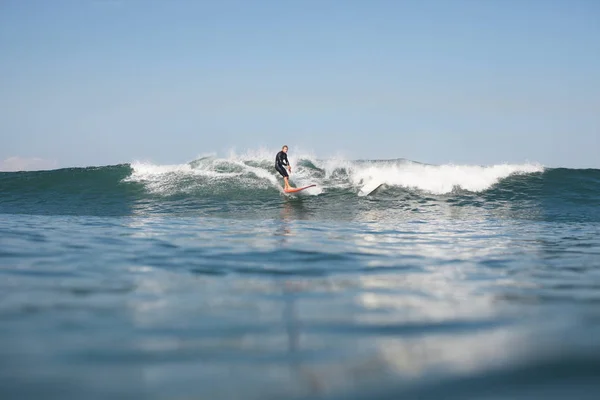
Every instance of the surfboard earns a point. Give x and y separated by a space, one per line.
294 190
366 191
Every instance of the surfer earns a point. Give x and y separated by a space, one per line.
281 161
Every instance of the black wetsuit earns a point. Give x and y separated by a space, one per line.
281 162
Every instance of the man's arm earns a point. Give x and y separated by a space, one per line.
287 162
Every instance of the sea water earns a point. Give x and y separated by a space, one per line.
206 281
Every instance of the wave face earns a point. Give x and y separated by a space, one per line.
248 184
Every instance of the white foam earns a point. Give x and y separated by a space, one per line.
255 167
143 170
261 173
159 178
171 179
437 179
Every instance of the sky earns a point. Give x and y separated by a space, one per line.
101 82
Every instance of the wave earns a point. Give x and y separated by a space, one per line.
256 172
251 177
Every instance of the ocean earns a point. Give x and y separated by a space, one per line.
391 279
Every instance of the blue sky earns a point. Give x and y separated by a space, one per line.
87 82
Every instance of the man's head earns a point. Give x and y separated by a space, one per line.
284 149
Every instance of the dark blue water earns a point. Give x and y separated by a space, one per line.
208 283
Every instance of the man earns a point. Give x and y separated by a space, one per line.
281 161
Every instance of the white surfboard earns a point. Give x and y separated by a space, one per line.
369 189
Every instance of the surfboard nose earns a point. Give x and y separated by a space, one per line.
294 190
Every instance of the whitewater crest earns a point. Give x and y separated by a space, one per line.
254 170
437 179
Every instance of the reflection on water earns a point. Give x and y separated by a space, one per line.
291 306
294 209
